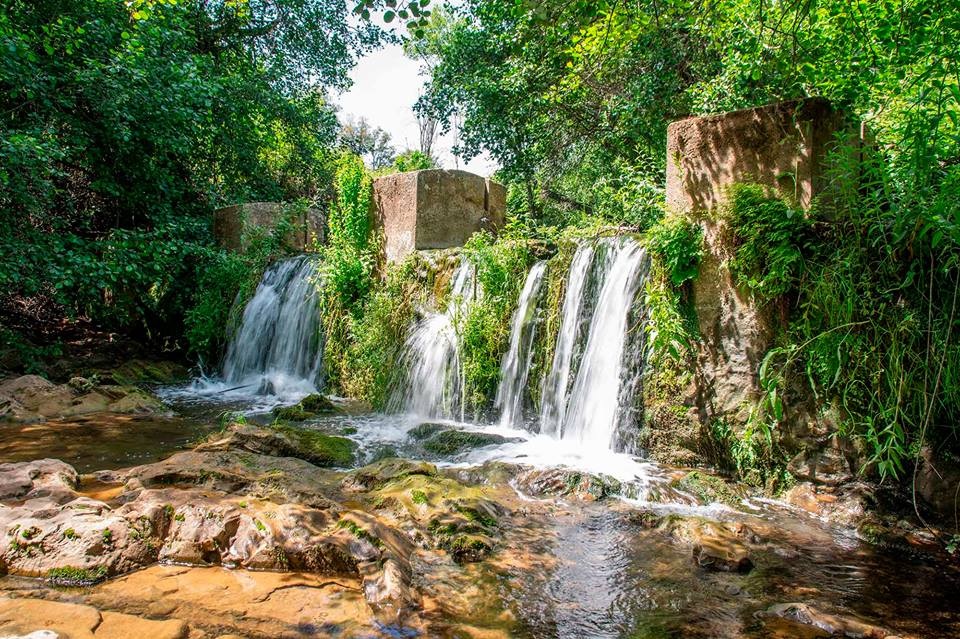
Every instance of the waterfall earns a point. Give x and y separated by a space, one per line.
431 358
594 404
554 391
516 363
277 348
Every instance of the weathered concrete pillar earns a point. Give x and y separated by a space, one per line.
231 224
783 146
434 208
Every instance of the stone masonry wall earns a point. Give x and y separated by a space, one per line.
785 147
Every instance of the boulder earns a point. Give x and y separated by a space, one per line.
834 624
285 441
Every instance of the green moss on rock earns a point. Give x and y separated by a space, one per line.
451 442
70 576
708 488
319 448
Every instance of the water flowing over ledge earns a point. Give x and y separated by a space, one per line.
276 353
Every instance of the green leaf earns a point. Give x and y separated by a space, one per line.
388 16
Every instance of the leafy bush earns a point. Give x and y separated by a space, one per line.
484 332
412 161
769 239
351 254
677 244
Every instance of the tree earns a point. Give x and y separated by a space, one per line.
368 142
122 124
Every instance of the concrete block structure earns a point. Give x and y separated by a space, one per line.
434 209
783 146
231 225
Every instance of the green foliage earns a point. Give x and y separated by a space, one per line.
350 255
125 123
362 350
71 576
483 331
677 244
413 161
768 239
753 454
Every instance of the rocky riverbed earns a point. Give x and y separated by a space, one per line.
308 524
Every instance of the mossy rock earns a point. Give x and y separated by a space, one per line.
294 413
379 473
425 430
319 448
452 442
70 576
709 488
317 403
307 408
138 371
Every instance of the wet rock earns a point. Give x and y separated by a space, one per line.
141 371
40 478
205 508
32 398
285 441
835 625
562 482
279 479
827 466
938 482
465 528
843 505
452 442
722 554
308 407
239 603
709 488
30 617
379 473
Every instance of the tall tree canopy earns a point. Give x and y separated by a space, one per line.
122 124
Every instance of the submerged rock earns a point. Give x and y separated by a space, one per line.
835 625
29 617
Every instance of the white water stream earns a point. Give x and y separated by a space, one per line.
516 363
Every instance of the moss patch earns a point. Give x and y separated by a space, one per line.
451 442
76 577
709 488
319 448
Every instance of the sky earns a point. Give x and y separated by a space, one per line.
386 84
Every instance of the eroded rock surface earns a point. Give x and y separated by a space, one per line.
31 398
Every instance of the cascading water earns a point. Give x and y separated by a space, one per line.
431 358
554 393
595 402
277 348
516 363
